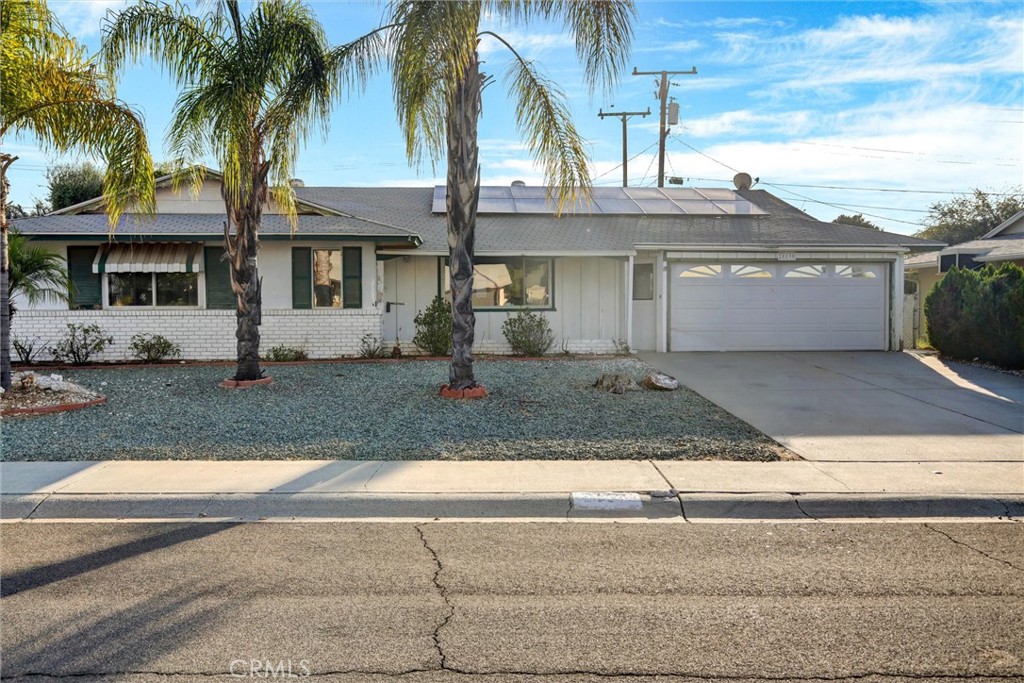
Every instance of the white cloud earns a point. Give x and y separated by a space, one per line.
83 18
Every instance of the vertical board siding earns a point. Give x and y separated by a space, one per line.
587 316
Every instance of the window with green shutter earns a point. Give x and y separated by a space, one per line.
302 277
86 292
218 280
352 276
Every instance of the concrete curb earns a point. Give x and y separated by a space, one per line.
580 506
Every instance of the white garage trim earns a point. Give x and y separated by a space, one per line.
761 306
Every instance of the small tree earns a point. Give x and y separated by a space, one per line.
968 217
434 328
35 273
856 219
72 184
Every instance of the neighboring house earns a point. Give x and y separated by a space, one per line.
657 269
1003 244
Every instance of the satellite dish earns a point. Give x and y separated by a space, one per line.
742 181
518 183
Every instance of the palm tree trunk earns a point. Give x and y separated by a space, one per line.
246 283
249 312
5 278
463 195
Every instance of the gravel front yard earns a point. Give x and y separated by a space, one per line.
383 411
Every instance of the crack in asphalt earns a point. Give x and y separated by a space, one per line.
971 547
443 592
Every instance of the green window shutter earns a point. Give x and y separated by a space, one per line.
302 277
218 280
86 289
352 276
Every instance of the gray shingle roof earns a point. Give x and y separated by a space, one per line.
396 214
999 248
204 226
784 226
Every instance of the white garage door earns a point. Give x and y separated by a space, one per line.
777 306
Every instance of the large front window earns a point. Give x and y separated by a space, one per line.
143 289
509 282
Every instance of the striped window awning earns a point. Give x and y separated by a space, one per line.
159 257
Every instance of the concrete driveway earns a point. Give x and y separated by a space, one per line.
863 406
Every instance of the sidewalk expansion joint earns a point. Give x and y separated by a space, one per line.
971 547
443 592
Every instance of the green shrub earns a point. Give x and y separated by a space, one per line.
284 354
528 333
434 328
979 314
80 343
153 348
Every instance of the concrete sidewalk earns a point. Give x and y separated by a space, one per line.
523 490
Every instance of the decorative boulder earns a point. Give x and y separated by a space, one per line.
661 382
616 383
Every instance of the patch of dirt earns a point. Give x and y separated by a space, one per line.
32 390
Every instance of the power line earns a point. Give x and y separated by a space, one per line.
869 189
613 168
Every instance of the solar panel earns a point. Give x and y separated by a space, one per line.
617 206
716 193
650 201
655 207
496 205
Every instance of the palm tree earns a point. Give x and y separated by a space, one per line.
438 85
252 88
36 273
54 93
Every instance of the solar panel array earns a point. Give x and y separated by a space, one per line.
649 201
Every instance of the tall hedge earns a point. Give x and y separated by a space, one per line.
979 314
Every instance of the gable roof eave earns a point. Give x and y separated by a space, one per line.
1004 225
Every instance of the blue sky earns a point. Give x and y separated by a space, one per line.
828 103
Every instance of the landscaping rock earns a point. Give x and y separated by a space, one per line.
660 382
616 384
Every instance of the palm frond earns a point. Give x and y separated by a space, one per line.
36 273
545 124
602 29
185 45
431 50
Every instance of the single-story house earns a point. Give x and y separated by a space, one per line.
1004 243
674 269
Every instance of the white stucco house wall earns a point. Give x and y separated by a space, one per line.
671 269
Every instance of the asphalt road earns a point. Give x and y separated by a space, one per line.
512 602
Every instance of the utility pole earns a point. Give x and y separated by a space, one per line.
662 95
624 115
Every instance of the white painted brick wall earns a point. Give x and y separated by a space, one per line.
210 335
207 334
